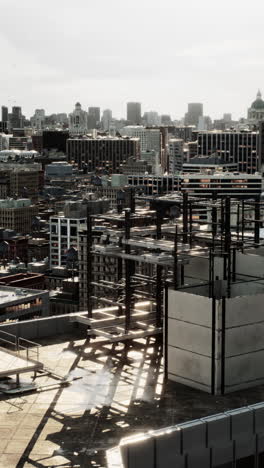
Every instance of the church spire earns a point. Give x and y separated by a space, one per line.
259 95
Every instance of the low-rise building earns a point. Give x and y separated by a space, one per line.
17 215
22 304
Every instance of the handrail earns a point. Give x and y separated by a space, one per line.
35 349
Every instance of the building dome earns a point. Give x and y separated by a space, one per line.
78 104
258 103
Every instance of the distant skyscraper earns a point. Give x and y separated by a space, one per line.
17 117
195 110
38 119
4 114
227 117
134 113
93 117
106 119
165 119
151 118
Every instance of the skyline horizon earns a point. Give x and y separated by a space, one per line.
123 116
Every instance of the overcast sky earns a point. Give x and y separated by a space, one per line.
162 53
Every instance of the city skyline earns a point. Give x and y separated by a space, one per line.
172 55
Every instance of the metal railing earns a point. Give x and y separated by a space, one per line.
30 347
7 339
20 345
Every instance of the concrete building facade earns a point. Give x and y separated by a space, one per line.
78 121
102 153
17 215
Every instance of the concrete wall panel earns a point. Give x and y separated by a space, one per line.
188 365
244 310
191 337
190 308
247 368
250 264
246 339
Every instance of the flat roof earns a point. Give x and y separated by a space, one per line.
120 392
11 294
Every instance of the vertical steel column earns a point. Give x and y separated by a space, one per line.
213 346
223 347
89 262
128 292
234 265
159 296
165 331
159 222
159 272
175 254
222 224
238 221
227 253
214 221
190 224
132 200
257 221
243 221
185 218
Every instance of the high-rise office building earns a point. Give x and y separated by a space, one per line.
239 147
102 153
150 139
17 120
93 117
4 114
134 113
195 110
106 119
165 119
151 118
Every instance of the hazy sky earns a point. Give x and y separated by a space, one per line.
162 53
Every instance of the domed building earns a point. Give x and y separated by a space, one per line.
78 121
256 111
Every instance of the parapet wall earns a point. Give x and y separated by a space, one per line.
44 327
233 438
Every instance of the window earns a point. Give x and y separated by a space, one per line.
64 230
73 231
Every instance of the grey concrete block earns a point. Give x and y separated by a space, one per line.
218 430
260 439
258 411
222 455
193 435
141 453
245 447
242 422
171 461
168 442
199 459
